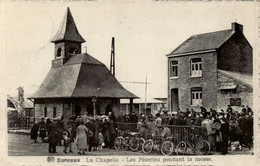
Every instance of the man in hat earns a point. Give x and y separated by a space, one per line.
224 129
243 109
142 130
166 132
120 117
229 110
203 112
197 119
158 120
164 118
133 118
249 110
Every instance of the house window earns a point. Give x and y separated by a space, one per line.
59 52
45 111
196 96
196 69
235 101
174 69
54 112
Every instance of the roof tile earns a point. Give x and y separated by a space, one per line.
201 42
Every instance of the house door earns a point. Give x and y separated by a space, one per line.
90 109
108 109
77 110
174 100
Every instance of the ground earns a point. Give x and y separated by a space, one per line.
22 145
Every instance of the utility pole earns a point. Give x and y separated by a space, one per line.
112 58
145 104
137 82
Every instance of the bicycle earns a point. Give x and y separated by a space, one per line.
194 143
153 143
119 140
132 141
167 147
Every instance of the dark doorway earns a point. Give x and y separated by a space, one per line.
174 100
90 109
77 110
108 109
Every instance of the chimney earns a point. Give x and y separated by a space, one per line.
237 27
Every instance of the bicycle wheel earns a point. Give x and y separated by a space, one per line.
118 142
141 144
133 143
202 148
148 146
181 148
167 148
124 144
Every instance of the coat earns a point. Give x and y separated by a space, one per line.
94 141
53 133
82 139
224 129
42 130
34 132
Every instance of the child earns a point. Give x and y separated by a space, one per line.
67 139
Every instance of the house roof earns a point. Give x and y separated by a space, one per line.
81 76
68 30
244 78
202 42
27 103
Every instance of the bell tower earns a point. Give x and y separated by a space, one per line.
67 41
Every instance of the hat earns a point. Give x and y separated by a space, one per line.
55 119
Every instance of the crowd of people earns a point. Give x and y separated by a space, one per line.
87 132
93 133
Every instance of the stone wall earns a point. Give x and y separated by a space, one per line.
40 106
66 107
242 91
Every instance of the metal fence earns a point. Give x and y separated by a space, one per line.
178 132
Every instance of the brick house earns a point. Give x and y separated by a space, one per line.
211 70
76 82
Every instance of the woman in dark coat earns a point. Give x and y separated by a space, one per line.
53 137
94 141
91 126
60 131
48 122
34 132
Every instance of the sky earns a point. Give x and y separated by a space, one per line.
145 32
